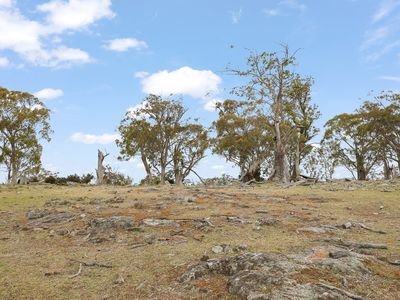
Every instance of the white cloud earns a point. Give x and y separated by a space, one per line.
286 8
382 37
30 39
48 94
236 16
64 55
184 81
6 3
121 45
218 167
4 62
271 12
385 9
74 14
390 78
103 139
141 74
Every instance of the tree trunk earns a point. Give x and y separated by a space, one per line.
253 173
296 176
14 173
281 166
398 161
147 168
100 168
361 172
387 170
162 175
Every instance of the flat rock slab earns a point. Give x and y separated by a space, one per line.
270 276
47 217
37 213
115 222
160 222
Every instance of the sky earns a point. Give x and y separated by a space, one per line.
91 61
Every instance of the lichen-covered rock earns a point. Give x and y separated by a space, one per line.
37 213
59 217
267 221
258 276
160 222
115 222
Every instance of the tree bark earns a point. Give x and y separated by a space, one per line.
14 173
296 176
281 165
387 169
361 172
100 168
162 175
147 167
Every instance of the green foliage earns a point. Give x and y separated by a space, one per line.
165 142
24 120
321 161
282 102
356 146
243 136
113 177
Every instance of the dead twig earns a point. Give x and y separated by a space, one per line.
78 273
138 246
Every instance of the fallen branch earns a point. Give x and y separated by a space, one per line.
394 262
138 246
343 292
78 273
370 229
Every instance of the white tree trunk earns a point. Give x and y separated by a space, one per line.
100 168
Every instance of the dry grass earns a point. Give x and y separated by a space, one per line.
150 272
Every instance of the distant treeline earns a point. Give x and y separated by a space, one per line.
267 130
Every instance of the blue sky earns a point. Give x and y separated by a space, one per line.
92 60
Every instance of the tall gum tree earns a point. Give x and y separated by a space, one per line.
243 137
303 115
271 76
24 121
166 143
356 147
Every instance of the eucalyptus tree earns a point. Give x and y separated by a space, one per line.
243 137
303 115
356 146
165 141
24 121
270 82
384 122
188 148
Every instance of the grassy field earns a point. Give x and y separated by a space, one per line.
41 260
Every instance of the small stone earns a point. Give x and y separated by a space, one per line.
267 221
160 222
347 225
217 249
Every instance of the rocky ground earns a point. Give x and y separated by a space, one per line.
320 241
